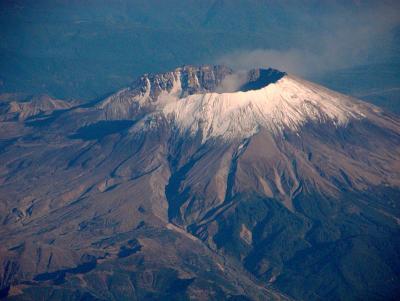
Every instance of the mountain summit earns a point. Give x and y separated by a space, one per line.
203 183
221 103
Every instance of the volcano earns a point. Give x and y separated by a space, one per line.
201 184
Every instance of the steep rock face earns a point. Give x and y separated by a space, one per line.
179 83
194 179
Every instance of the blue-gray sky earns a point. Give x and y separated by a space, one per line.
87 48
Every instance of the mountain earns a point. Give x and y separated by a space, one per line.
13 108
202 183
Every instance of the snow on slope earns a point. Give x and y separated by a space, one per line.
287 104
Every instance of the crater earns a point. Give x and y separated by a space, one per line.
249 80
189 80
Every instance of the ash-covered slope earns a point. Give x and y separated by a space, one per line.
203 183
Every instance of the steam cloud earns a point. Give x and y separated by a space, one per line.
232 82
344 39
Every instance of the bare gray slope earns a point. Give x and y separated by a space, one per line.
76 213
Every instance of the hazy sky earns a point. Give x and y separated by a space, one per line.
367 34
88 48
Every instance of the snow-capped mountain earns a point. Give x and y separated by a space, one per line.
287 104
194 100
225 184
